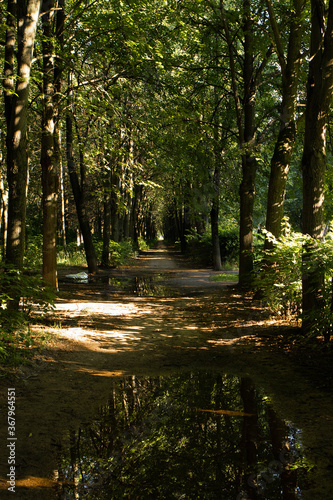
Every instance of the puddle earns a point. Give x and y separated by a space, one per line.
141 286
151 286
194 435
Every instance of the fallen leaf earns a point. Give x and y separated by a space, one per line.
231 413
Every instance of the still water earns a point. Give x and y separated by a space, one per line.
196 435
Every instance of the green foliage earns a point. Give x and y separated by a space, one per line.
224 277
200 246
320 264
146 245
33 257
14 321
280 278
73 256
229 243
121 254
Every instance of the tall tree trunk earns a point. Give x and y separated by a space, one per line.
214 216
49 162
249 163
319 96
79 199
62 191
58 79
115 189
106 220
17 116
246 131
285 142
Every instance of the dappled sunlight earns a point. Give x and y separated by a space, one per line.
101 373
109 308
190 322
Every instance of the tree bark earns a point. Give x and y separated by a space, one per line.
214 215
79 200
285 142
115 215
49 161
319 95
105 262
17 116
245 116
249 163
58 79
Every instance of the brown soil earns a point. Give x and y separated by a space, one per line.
98 331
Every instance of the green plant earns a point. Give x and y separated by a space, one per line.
280 276
121 253
74 255
200 246
34 255
224 277
20 294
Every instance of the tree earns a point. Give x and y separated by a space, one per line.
245 110
16 104
49 157
319 96
79 195
280 162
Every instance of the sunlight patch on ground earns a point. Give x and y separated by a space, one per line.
230 341
29 482
84 335
111 308
102 373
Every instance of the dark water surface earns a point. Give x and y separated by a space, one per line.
195 435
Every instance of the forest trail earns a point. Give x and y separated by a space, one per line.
156 317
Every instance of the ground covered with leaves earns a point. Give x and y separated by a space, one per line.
157 317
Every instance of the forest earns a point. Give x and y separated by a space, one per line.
207 123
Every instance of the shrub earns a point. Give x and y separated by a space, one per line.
74 255
280 277
14 322
121 253
200 246
229 244
33 257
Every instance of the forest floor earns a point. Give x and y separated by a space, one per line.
156 317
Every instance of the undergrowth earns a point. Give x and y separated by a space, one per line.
20 294
280 278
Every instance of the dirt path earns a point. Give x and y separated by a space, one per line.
100 330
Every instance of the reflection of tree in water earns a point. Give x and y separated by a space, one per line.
150 441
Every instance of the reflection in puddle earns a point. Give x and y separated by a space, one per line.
185 436
141 286
150 286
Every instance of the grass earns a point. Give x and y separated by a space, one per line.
224 277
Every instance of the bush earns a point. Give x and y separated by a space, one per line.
280 277
14 322
121 253
33 257
229 244
74 255
200 246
